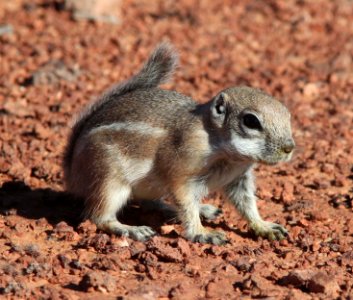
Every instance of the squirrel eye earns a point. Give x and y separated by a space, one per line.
220 108
220 105
252 122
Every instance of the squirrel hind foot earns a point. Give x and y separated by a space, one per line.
138 233
211 237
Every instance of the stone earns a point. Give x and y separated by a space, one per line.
97 10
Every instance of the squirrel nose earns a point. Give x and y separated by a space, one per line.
288 146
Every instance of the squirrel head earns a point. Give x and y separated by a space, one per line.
252 125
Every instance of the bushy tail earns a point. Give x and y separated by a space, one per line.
157 70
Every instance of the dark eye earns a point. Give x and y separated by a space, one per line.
220 105
220 109
252 122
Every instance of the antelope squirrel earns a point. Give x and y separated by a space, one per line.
139 141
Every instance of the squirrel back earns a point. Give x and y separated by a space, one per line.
157 70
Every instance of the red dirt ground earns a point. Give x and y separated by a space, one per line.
51 66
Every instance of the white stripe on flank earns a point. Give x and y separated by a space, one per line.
139 127
134 169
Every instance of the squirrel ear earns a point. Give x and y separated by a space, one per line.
219 108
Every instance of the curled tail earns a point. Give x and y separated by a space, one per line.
157 70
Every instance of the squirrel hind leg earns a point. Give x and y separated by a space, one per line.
114 198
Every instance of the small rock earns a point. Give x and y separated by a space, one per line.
311 90
264 193
167 229
136 248
6 29
9 269
261 283
140 268
66 232
100 241
244 263
184 247
323 283
87 227
122 242
97 10
339 181
192 270
32 250
284 243
164 252
296 231
212 290
37 269
64 260
342 61
219 288
18 108
148 259
287 195
316 246
105 263
13 287
297 278
41 132
319 215
63 227
40 172
98 281
346 259
303 222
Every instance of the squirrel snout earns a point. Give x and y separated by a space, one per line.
288 146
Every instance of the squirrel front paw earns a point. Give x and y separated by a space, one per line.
271 231
210 237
